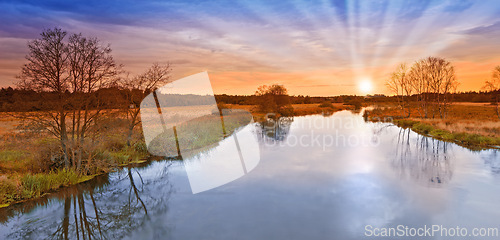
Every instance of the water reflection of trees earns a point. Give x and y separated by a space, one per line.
272 130
422 159
99 210
492 159
379 128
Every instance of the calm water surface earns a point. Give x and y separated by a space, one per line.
318 178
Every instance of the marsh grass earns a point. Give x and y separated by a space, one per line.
8 190
471 125
298 109
469 140
326 104
35 185
30 161
456 111
323 108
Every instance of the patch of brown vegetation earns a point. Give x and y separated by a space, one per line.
472 118
298 109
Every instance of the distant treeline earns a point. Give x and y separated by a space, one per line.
174 100
299 99
27 100
471 96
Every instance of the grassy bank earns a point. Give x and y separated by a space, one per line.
30 186
30 162
298 109
19 182
474 126
468 140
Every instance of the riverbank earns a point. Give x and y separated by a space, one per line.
23 185
474 126
298 109
470 141
23 155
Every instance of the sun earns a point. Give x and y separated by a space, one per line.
365 85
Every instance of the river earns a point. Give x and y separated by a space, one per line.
317 177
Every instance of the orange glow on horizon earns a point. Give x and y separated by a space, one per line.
471 76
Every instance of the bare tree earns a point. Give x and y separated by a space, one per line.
494 86
433 80
394 85
140 86
446 88
47 71
72 71
421 85
399 84
91 67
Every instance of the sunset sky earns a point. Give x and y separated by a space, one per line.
312 47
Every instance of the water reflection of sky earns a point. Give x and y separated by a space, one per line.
310 192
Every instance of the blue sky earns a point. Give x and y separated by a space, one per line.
313 47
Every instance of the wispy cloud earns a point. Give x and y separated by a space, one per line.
247 43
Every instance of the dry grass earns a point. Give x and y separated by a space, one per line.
299 109
471 126
457 111
463 118
34 157
8 123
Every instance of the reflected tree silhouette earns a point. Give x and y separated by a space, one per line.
378 129
111 212
274 130
422 159
492 159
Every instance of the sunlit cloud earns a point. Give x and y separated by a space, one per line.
332 44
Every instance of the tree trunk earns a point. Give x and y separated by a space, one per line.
67 206
136 192
133 122
64 138
496 103
96 212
